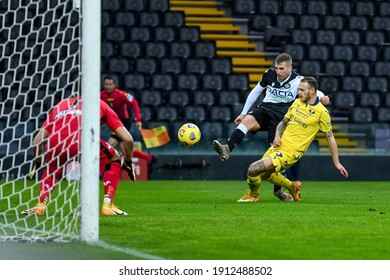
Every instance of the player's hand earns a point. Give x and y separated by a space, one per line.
128 167
342 170
37 164
138 124
325 100
239 119
277 142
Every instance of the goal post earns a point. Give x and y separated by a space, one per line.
49 49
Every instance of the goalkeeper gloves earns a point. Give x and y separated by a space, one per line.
37 164
128 167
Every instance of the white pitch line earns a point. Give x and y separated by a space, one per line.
128 251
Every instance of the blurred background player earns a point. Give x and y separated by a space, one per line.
281 84
61 131
293 136
119 100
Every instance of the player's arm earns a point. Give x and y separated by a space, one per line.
334 153
37 147
130 100
279 132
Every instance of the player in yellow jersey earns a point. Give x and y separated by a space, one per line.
293 136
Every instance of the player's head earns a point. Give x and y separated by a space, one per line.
108 84
283 66
308 89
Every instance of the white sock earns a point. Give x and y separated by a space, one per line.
242 128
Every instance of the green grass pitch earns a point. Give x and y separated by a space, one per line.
200 220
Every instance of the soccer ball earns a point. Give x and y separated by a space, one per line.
189 134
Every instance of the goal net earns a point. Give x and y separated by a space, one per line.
39 66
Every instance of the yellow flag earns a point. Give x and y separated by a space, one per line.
155 137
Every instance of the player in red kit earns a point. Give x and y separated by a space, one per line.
119 100
62 130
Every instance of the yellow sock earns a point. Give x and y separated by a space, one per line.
254 184
280 180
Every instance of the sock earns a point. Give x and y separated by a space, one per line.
277 187
254 184
280 180
237 136
46 187
139 154
110 180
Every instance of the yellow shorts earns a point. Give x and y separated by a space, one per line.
281 158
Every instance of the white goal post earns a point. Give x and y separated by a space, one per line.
49 49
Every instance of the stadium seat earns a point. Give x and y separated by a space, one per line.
195 114
150 97
116 34
364 8
259 23
378 84
196 65
350 37
189 33
171 65
142 34
367 53
155 49
301 36
370 99
362 115
385 53
166 34
317 8
146 113
162 81
352 83
340 8
381 23
310 22
344 100
359 68
357 23
205 49
125 19
335 68
237 82
178 98
203 97
111 6
228 97
173 18
166 113
105 19
326 37
187 82
212 81
134 81
107 49
383 114
119 65
244 7
309 68
342 52
293 7
145 65
268 7
180 49
134 5
159 5
382 68
212 130
319 52
374 38
220 113
130 49
286 22
297 52
222 65
149 19
333 22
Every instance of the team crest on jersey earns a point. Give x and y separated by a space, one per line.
287 86
311 112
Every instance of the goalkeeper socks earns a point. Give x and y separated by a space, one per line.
139 154
111 179
46 187
280 180
254 184
237 136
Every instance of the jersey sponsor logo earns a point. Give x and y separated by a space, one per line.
280 94
298 121
68 112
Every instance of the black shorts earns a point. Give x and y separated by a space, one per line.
268 116
127 124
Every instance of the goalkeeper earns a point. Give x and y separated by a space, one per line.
293 136
62 130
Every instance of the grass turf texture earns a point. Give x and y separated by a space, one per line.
200 220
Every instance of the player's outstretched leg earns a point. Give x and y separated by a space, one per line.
222 150
39 210
109 209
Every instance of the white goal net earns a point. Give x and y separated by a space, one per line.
39 66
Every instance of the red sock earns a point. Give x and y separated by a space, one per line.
111 179
46 187
139 154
